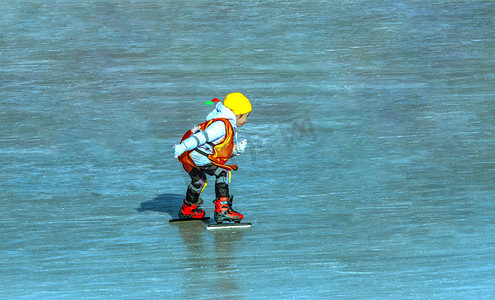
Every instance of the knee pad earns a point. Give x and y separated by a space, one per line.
198 186
224 177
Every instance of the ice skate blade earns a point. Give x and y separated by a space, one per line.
228 225
187 220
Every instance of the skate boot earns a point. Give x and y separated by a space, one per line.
191 211
224 211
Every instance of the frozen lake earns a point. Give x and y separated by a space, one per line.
369 171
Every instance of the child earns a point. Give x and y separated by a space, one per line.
205 149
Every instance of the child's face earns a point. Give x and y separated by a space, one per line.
242 119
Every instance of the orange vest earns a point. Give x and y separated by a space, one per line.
221 151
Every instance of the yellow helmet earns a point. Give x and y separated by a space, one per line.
237 103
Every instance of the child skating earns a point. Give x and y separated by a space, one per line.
205 150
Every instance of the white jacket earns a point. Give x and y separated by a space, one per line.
212 134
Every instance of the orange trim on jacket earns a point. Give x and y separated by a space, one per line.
221 151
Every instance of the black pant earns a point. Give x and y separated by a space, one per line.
198 180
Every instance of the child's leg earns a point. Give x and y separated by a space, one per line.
190 209
222 183
222 179
197 185
223 201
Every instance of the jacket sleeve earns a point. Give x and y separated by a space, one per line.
216 131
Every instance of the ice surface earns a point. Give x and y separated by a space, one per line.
369 171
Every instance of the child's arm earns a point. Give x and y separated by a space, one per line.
213 132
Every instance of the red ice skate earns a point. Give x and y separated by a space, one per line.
190 212
224 211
